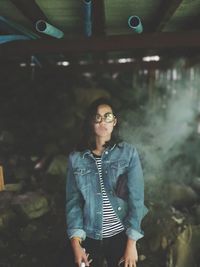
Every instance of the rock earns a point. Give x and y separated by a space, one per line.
185 251
31 205
21 173
5 199
33 233
180 195
196 184
58 166
14 187
161 228
164 242
155 243
197 213
6 217
28 233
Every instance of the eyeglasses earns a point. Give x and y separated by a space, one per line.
107 117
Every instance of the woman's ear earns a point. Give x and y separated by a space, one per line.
115 122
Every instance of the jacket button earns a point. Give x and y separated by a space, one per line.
119 208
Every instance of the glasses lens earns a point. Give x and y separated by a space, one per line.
109 117
97 118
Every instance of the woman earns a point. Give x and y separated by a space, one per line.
105 193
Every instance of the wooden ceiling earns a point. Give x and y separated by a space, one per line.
170 28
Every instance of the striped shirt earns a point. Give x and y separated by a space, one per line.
111 223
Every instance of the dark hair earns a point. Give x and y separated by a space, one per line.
87 140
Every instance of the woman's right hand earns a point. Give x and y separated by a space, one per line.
79 253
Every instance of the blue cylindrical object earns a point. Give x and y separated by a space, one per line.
44 27
12 37
87 4
134 23
11 27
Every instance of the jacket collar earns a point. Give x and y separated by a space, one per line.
88 151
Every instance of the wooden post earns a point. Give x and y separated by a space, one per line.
1 179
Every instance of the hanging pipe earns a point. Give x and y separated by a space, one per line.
12 27
87 17
134 23
12 37
16 32
44 27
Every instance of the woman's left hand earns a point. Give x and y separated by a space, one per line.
130 255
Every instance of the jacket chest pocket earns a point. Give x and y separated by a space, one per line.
83 178
118 168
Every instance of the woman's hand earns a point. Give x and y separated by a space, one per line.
130 255
79 253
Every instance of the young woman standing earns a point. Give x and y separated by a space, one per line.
104 193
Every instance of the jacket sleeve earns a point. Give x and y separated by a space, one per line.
136 206
74 205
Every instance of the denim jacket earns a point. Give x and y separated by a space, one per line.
83 191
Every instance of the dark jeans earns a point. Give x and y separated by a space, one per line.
111 249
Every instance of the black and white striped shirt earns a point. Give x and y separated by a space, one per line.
111 223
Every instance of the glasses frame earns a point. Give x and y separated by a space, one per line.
104 118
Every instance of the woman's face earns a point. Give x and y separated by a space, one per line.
104 122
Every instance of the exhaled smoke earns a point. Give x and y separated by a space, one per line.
164 127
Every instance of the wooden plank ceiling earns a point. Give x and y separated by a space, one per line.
170 27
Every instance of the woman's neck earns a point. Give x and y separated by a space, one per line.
100 142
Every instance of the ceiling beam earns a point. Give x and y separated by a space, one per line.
30 10
165 11
112 67
98 18
192 23
156 41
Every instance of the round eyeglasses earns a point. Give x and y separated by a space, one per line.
107 117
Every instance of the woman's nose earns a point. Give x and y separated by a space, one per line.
102 122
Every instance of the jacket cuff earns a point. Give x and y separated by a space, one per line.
133 234
76 232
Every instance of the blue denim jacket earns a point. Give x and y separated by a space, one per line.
83 191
